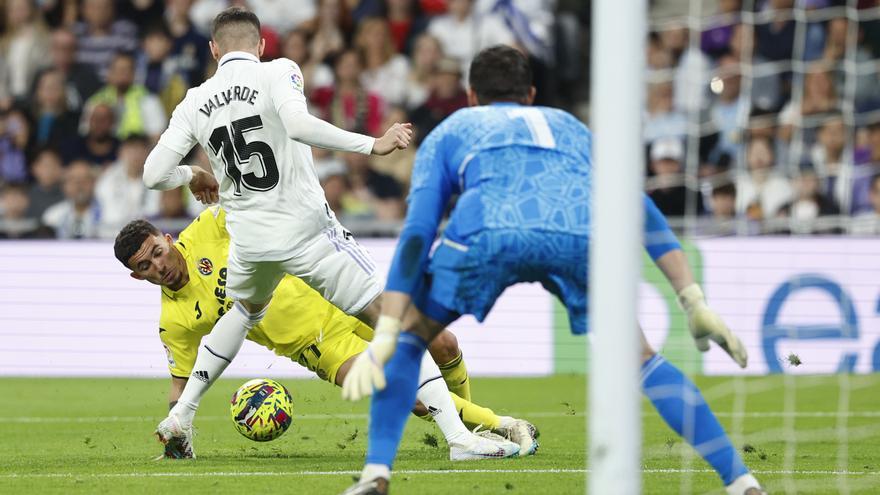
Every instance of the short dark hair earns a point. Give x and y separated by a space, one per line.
130 239
500 73
232 16
726 189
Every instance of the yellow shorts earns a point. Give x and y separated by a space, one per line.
343 338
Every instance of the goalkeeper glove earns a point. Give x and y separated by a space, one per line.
367 371
705 324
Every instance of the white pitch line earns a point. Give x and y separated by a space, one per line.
324 417
233 474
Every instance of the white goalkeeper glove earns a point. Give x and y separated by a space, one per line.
705 324
368 370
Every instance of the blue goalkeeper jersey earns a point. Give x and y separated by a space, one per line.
515 167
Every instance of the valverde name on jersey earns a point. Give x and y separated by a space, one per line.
223 98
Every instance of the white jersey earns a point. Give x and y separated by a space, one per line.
268 184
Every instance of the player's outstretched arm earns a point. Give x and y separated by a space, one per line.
162 171
704 323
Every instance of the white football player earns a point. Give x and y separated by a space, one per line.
252 120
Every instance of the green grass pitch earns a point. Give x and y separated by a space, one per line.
94 436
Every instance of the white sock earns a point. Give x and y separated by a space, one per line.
216 352
373 471
434 394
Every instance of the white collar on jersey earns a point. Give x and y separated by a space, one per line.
229 57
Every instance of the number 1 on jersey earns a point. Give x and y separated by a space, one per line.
235 151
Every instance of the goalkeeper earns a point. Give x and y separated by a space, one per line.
523 176
301 325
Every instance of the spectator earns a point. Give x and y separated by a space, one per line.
723 202
46 189
868 223
447 95
462 33
820 96
283 15
347 104
99 145
78 216
23 45
716 40
661 119
172 205
765 125
15 135
316 74
374 195
426 53
189 53
385 70
54 121
336 189
775 39
766 86
406 23
667 186
80 80
868 165
762 191
827 157
866 96
162 74
327 29
203 12
400 163
120 190
730 109
137 111
691 70
101 35
722 221
809 204
14 222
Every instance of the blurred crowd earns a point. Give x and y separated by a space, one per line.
87 86
766 119
761 116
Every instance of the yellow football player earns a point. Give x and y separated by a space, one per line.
299 324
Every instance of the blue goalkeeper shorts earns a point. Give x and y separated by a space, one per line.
466 277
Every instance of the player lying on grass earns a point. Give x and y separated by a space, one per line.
301 325
523 215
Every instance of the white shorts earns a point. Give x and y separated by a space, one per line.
332 263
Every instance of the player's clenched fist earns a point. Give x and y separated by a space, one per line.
396 137
204 186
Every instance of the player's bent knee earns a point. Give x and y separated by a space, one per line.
444 348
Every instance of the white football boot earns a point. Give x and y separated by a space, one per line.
745 485
482 444
521 432
176 438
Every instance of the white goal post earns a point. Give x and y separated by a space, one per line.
618 64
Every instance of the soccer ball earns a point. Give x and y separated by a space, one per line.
261 409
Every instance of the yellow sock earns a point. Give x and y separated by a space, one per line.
456 377
473 415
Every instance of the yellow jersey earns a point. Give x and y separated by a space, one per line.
299 323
